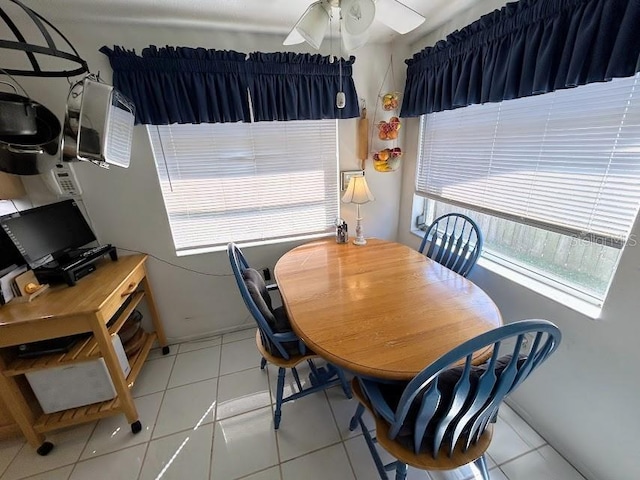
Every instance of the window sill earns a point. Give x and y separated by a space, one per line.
558 296
257 243
563 298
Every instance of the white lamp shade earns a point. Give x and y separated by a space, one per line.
357 16
358 191
313 24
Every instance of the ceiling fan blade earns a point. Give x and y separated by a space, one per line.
397 16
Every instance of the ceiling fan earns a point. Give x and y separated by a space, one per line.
356 16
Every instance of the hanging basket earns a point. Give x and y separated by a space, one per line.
390 101
389 130
387 160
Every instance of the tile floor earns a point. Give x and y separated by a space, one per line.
206 411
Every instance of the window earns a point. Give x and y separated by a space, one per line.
247 182
553 180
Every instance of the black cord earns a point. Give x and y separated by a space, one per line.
178 266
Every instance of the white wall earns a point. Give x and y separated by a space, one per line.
584 401
126 207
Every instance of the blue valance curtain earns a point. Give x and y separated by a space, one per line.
526 48
293 86
182 85
195 85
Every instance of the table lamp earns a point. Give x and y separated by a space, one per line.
358 192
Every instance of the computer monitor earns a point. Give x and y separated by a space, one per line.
48 233
9 254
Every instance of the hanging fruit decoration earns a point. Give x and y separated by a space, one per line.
389 130
388 159
390 101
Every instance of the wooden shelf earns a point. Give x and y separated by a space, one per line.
137 360
126 313
87 413
99 305
84 350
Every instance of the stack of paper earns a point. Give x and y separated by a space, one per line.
6 283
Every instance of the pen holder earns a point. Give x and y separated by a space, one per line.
342 234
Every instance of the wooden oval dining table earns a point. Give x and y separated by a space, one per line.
380 310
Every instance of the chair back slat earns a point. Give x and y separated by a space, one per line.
428 407
455 241
502 388
459 257
442 247
481 396
430 395
460 393
534 359
449 417
238 265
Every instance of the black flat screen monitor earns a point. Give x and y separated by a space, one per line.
48 233
9 254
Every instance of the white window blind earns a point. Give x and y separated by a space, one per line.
245 182
567 161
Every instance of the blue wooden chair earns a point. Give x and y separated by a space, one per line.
455 241
442 419
275 340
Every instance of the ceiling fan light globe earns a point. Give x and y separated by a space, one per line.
357 15
313 24
354 42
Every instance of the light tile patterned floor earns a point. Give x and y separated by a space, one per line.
206 411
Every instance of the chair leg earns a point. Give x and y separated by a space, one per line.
322 375
279 393
318 375
401 471
371 443
296 377
481 464
346 388
353 424
263 363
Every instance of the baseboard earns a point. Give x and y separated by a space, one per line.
215 333
551 439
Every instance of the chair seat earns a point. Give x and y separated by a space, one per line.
291 362
422 461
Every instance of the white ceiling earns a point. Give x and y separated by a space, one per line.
264 16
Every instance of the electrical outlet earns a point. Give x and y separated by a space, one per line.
266 274
527 342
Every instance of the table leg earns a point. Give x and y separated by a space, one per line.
115 370
153 309
20 411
